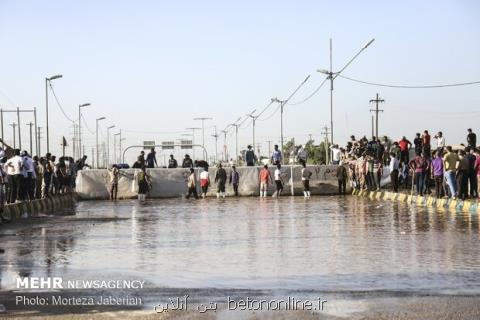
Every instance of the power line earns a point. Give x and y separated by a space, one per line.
311 95
59 104
270 116
156 132
86 125
412 87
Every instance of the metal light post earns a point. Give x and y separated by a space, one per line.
282 105
47 82
215 135
193 140
108 144
115 147
236 125
225 142
254 118
13 125
96 138
333 75
79 127
203 133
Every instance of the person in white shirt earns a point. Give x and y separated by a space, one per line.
440 142
14 167
394 170
336 154
29 177
278 181
302 155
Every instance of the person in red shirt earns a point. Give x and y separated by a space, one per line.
264 177
405 146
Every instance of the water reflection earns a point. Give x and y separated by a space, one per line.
324 243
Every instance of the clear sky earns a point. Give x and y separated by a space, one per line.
155 65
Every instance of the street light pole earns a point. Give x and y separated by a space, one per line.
48 82
203 133
115 147
254 118
193 140
108 144
215 135
96 138
333 75
79 128
13 125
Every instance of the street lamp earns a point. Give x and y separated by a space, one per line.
79 127
203 133
282 105
13 125
96 138
254 118
236 125
193 140
108 144
115 146
47 82
333 75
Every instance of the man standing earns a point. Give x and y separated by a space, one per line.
192 184
450 164
14 170
234 180
302 155
172 162
250 156
394 169
440 143
221 180
276 155
306 174
264 177
342 179
404 146
187 162
471 139
336 152
437 173
151 159
418 143
426 144
278 180
471 173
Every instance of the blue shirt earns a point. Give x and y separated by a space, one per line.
276 155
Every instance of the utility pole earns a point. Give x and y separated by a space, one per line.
376 110
269 148
215 135
254 118
373 127
38 137
14 125
203 134
326 132
258 145
30 124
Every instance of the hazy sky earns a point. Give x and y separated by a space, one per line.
155 65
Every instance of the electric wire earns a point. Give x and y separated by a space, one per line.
412 87
311 95
59 104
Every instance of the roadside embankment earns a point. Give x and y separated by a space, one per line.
471 206
35 208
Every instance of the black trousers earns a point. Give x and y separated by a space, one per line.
306 185
192 190
439 186
235 188
394 180
342 186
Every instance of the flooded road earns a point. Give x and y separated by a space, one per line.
324 244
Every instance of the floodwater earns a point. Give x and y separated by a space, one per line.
330 244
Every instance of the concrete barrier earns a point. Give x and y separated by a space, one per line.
34 208
95 184
468 206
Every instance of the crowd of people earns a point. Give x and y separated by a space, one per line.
26 178
441 170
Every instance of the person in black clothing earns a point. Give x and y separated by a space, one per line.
139 164
172 162
471 139
187 162
81 163
471 174
250 156
418 143
221 180
201 164
151 159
